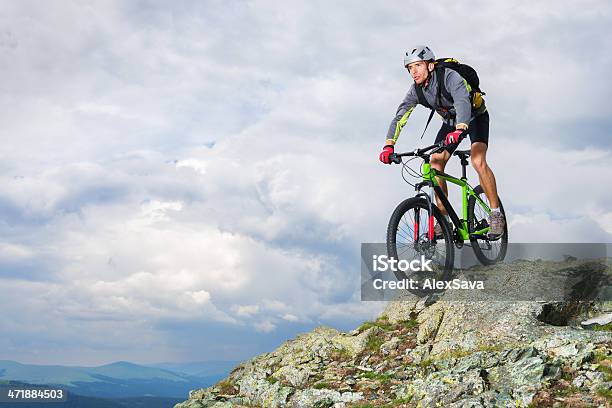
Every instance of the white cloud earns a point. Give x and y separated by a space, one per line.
197 165
274 305
245 310
156 169
602 217
155 211
265 326
97 108
540 227
9 251
290 318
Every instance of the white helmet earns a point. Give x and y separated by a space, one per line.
418 53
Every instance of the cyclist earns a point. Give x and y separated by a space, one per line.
459 120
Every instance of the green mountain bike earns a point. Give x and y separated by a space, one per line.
410 233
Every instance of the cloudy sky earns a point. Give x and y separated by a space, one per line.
191 180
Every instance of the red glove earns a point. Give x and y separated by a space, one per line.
384 155
454 137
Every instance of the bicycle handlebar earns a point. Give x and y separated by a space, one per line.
435 148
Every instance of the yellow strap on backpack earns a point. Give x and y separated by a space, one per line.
477 100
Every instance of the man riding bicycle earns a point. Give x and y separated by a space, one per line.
460 118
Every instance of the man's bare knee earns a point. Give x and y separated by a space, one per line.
479 163
438 161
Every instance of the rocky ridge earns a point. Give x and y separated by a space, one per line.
437 353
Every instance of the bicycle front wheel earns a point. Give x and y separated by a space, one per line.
410 235
487 251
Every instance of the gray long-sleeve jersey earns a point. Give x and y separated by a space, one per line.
459 111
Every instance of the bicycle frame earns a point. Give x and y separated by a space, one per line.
472 227
429 178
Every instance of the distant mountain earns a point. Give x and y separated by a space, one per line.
79 401
119 379
201 368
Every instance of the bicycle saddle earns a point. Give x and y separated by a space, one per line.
462 153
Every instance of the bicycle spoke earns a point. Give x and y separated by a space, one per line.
411 242
408 233
491 249
399 255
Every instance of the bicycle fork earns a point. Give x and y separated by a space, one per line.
430 221
430 230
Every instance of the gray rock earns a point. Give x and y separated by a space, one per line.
310 398
264 393
314 346
190 404
600 320
297 376
419 353
429 323
594 376
402 308
444 388
459 322
480 359
570 346
355 344
204 404
468 354
579 381
387 347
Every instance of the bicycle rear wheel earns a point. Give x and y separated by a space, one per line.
410 235
487 251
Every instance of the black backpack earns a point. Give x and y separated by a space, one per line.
467 72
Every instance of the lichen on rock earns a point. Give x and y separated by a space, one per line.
423 353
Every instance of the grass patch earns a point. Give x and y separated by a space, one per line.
341 354
396 402
382 322
606 370
454 354
226 387
272 380
604 392
408 324
383 378
491 348
365 326
605 327
374 343
426 363
321 385
566 391
600 355
567 375
605 364
400 401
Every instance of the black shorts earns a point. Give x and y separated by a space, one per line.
478 131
